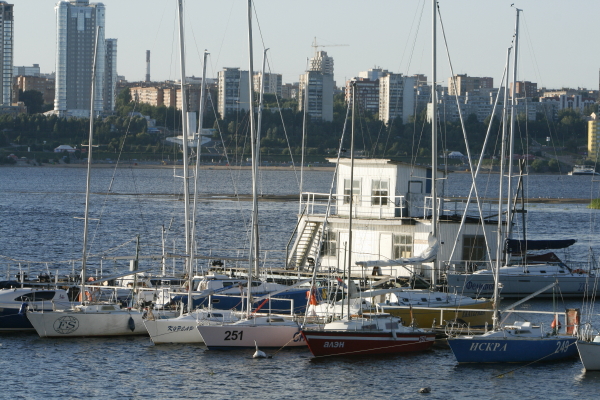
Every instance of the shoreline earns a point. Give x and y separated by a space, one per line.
160 166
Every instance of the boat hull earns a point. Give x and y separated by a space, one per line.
519 285
425 318
589 352
479 349
78 324
353 343
245 336
173 330
12 321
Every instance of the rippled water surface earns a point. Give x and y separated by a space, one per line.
37 210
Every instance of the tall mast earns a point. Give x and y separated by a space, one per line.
499 237
513 118
433 125
434 148
89 171
305 111
351 199
196 169
184 120
253 253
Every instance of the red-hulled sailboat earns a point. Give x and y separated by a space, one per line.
379 333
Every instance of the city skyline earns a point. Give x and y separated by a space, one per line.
478 34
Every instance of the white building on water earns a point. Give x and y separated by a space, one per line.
391 220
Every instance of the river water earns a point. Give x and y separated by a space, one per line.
39 210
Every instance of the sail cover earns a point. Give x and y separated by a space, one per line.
426 256
520 246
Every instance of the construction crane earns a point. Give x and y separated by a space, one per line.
316 46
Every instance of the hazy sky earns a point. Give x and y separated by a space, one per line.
557 42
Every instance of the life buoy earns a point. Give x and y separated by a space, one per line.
555 323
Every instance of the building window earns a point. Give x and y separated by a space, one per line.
379 193
474 248
402 247
355 191
329 245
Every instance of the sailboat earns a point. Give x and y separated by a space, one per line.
364 333
255 330
520 341
89 318
588 346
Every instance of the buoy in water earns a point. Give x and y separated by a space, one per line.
258 353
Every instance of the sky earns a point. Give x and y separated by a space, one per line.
556 45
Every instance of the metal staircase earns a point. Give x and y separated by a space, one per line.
305 246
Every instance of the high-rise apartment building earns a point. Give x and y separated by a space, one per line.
110 75
234 93
525 89
321 62
366 94
396 97
459 85
24 70
373 74
316 94
272 83
315 91
77 23
6 51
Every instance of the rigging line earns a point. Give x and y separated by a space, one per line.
162 15
224 34
226 154
396 105
361 128
473 176
285 132
102 209
416 33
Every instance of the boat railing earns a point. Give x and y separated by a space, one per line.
468 266
457 206
364 205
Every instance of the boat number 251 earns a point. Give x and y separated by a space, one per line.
562 346
233 335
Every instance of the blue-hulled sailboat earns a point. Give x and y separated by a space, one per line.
521 341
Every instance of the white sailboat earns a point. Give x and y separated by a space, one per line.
182 329
254 330
588 346
88 319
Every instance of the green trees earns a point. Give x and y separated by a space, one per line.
34 100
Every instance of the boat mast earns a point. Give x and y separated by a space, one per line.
513 118
184 119
499 237
89 171
434 126
351 199
434 148
253 253
198 149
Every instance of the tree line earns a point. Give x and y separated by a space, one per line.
282 131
